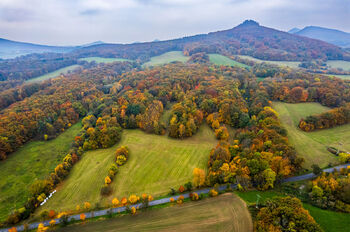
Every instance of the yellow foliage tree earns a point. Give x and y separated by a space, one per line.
133 199
87 205
77 208
52 222
133 210
124 201
198 177
42 228
150 198
115 202
108 180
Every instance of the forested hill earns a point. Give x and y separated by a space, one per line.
248 38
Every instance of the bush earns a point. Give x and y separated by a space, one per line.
213 193
189 186
106 190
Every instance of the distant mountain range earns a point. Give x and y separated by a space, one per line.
248 38
336 37
12 49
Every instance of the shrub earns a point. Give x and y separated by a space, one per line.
182 189
134 199
115 202
195 197
172 191
87 205
188 186
106 190
82 217
213 193
133 210
172 200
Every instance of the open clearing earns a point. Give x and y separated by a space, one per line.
223 60
291 64
156 164
166 58
226 212
345 77
53 74
312 145
102 59
33 161
330 221
345 65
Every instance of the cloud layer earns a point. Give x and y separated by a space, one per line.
71 22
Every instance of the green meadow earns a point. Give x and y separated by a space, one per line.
291 64
165 58
53 74
33 161
312 145
224 60
156 164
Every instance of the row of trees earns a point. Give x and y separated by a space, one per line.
121 156
329 119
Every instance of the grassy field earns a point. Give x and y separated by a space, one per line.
32 161
345 65
156 164
345 77
166 58
330 221
291 64
223 60
312 145
226 212
102 59
53 74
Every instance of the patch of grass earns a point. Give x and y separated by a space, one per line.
330 221
345 77
223 60
291 64
312 145
345 65
156 164
103 60
226 212
166 58
33 161
53 74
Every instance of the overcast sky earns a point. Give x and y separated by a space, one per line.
73 22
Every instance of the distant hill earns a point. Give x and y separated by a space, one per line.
12 49
294 30
336 37
248 38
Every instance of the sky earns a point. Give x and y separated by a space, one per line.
74 22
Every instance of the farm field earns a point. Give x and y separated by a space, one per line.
102 59
226 212
156 164
291 64
223 60
33 161
166 58
53 74
312 145
345 65
330 221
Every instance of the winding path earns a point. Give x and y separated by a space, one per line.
161 201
